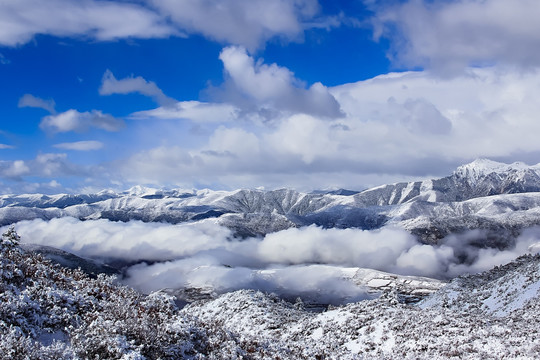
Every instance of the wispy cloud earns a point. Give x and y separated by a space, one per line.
110 85
196 111
80 145
29 100
4 60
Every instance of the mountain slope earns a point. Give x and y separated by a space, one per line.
51 312
447 324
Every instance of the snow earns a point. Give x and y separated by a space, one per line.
482 167
49 312
406 191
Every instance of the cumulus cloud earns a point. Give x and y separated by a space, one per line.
274 86
14 169
46 165
21 20
73 120
244 22
29 100
110 85
408 125
80 145
299 261
448 36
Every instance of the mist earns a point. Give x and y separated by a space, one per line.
308 261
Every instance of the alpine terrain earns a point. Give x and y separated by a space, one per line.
433 269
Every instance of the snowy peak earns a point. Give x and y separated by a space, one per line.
481 168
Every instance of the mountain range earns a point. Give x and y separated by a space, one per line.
499 199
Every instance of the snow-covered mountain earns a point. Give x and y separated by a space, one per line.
487 316
498 198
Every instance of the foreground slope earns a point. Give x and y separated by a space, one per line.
494 317
49 312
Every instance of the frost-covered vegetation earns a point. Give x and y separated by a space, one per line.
49 312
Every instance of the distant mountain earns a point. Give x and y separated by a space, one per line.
498 198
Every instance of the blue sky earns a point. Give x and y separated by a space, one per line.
288 93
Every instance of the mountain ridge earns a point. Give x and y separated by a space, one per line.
474 196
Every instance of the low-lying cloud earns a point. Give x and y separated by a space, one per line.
308 261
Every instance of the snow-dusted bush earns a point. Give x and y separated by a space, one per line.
49 312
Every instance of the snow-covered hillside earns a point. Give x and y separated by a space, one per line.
51 312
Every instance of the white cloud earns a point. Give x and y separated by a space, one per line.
274 86
237 142
21 20
244 22
29 100
448 36
204 254
73 120
5 146
80 145
249 23
409 125
129 241
14 169
304 137
110 85
53 165
45 165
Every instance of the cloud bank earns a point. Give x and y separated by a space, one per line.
307 260
448 36
406 125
